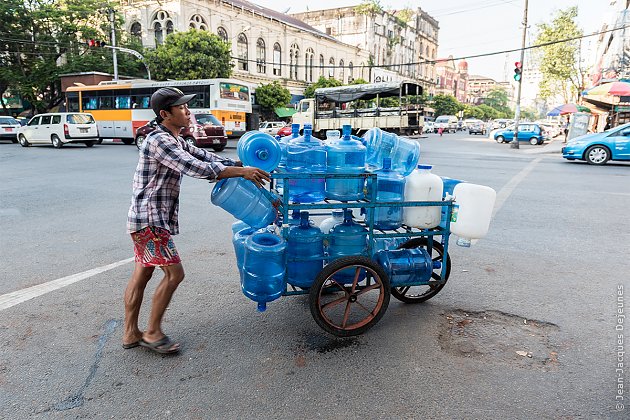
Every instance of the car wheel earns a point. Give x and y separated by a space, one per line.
23 142
470 133
218 148
90 143
191 141
533 141
139 141
500 139
597 155
99 141
127 141
56 141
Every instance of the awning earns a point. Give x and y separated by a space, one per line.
284 112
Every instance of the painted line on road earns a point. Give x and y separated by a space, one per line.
14 298
509 188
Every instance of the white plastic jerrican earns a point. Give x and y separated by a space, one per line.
422 185
472 212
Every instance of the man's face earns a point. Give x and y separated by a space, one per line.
178 115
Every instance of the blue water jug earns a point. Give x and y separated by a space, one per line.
264 268
238 241
347 239
449 185
244 201
259 150
284 143
304 240
390 186
404 266
306 155
294 219
238 226
385 244
404 153
345 156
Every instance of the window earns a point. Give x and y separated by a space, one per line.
260 56
79 119
350 72
136 30
294 57
34 121
161 20
341 71
331 69
159 35
241 51
73 101
277 60
198 22
222 33
56 119
46 119
308 61
321 64
122 102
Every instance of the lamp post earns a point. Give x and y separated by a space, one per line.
132 52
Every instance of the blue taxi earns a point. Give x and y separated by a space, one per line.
530 132
599 148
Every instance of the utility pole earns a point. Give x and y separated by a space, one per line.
112 17
517 116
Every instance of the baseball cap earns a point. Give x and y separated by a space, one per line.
167 97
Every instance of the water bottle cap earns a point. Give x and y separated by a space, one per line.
295 126
347 215
428 167
387 163
304 219
346 129
309 126
307 134
296 214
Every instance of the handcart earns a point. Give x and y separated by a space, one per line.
348 309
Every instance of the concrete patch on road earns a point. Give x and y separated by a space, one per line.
500 337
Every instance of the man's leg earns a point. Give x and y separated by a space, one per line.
173 276
133 300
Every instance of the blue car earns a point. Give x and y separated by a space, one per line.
530 132
599 148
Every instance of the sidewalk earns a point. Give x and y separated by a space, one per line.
553 146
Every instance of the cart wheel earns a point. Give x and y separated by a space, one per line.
417 294
347 309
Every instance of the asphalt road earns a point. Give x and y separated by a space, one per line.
525 327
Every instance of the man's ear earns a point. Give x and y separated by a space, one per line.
164 113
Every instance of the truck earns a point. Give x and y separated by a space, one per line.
360 107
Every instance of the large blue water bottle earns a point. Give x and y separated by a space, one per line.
259 150
238 226
244 201
390 186
304 240
284 144
238 241
404 153
347 239
264 268
404 266
345 156
306 155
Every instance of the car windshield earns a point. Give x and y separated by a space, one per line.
80 119
207 119
9 121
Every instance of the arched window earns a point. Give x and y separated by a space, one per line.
428 52
161 20
308 62
331 69
198 22
222 33
241 51
136 30
294 58
261 66
277 60
169 27
321 65
159 35
350 72
341 71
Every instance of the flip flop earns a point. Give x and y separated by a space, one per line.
131 345
162 346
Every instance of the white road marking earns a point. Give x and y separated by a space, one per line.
508 188
14 298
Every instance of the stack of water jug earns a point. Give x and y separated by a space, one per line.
267 261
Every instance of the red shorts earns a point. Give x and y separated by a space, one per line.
154 247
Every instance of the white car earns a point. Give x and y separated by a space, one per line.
8 128
271 127
58 129
429 127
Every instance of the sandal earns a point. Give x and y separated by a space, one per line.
162 346
131 345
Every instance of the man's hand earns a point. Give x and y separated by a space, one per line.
257 176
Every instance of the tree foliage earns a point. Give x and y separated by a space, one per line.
193 54
559 63
369 7
322 82
272 95
446 105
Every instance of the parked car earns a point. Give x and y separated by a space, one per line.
205 130
284 131
429 127
530 132
271 127
58 129
8 128
447 123
552 130
501 123
599 148
477 127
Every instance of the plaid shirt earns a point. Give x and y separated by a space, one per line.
164 158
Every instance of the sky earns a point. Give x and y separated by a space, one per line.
469 27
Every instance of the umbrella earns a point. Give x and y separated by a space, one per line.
613 88
567 109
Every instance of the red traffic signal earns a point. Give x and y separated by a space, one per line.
95 43
518 71
90 43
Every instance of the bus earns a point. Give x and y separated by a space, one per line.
120 107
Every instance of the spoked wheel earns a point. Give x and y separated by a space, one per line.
417 294
348 308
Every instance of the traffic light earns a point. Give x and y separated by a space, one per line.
95 43
518 71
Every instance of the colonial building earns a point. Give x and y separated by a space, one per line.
400 44
266 45
479 86
452 80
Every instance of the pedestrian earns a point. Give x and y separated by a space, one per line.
566 130
440 131
152 219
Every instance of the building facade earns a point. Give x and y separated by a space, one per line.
452 79
480 86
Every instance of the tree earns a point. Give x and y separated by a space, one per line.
488 113
446 105
272 96
322 82
191 55
559 63
497 98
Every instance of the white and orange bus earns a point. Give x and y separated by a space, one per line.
121 107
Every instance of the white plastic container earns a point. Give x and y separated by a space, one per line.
422 185
331 222
472 212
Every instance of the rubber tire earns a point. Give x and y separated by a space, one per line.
219 148
139 143
191 141
500 139
90 143
100 140
437 247
56 141
23 142
590 149
533 141
127 141
328 272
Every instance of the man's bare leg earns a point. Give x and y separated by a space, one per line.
133 300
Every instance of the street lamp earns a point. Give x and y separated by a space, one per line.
135 53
